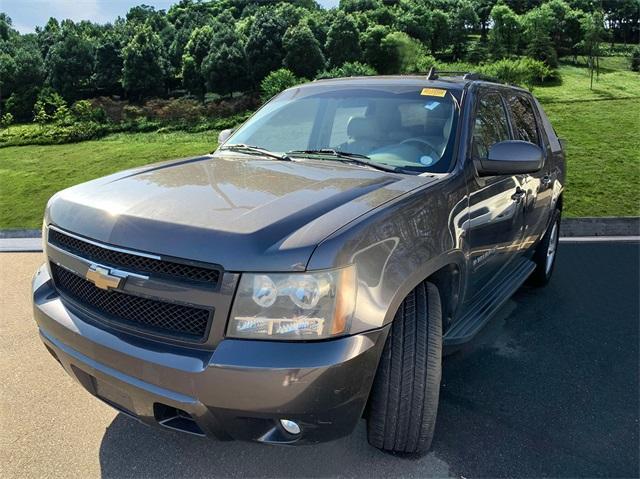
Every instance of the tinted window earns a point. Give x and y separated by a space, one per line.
524 120
490 126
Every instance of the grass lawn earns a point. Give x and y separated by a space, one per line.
29 175
601 128
600 125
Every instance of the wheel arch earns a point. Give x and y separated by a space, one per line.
446 272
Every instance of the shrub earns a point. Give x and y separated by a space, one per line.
83 110
6 120
522 71
20 104
113 110
635 59
353 69
277 81
180 110
132 112
231 106
50 106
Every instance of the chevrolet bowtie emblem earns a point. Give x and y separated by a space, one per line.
102 277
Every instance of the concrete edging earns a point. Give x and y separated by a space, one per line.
601 226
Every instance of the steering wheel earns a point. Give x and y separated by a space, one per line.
433 152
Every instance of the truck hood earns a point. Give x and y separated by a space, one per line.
243 213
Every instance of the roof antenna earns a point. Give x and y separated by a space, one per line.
432 75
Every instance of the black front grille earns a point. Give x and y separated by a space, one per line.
143 313
132 262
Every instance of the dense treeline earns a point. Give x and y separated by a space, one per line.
197 48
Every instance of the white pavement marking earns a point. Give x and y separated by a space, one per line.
599 239
20 244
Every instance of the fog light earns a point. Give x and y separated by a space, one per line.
290 426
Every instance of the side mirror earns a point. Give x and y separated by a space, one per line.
511 157
223 135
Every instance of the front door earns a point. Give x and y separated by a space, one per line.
496 203
526 127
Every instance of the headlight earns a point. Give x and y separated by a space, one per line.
294 305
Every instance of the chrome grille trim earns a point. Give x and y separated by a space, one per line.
143 264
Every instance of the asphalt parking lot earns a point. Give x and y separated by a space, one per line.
550 388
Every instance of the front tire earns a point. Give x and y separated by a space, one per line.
546 252
406 389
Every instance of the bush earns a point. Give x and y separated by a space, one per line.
83 110
522 71
635 60
50 106
113 109
353 69
6 121
180 110
277 81
20 104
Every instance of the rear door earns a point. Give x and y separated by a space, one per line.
526 126
495 223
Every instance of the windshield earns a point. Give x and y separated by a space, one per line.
401 126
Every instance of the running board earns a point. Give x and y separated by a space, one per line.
470 324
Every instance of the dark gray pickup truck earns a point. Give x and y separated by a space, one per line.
314 268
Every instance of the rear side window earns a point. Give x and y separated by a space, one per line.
490 126
524 119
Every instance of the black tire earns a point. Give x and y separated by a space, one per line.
542 274
404 398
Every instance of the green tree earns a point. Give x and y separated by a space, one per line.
593 34
438 30
504 37
303 53
277 81
343 43
196 50
144 64
23 78
48 36
225 68
108 64
69 64
538 24
462 21
264 49
402 52
351 6
373 52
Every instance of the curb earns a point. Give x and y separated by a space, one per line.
600 226
20 233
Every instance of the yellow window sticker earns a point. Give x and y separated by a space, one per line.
433 92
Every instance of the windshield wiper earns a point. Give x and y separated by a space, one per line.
256 150
337 155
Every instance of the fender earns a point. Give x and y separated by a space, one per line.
398 245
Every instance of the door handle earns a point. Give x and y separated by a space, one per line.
546 180
518 195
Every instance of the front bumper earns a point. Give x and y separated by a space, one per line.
240 390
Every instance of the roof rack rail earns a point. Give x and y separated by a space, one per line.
435 74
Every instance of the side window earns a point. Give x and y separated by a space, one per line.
524 119
490 126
